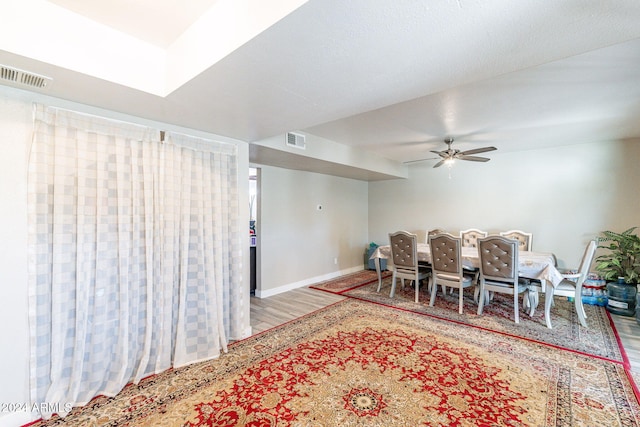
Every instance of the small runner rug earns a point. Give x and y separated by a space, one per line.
599 338
348 282
360 364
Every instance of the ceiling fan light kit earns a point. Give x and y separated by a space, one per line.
450 155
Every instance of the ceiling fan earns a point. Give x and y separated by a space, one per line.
448 156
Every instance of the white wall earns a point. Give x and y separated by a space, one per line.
15 120
563 195
298 242
15 137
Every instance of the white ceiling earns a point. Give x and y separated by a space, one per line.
393 77
157 22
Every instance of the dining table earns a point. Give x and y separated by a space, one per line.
539 266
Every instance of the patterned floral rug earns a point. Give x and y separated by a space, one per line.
599 338
349 282
360 364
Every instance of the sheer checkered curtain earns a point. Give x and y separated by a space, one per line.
134 254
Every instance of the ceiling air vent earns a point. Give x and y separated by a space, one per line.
24 78
296 140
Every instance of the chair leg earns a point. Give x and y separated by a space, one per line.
533 300
476 293
516 309
393 285
482 294
580 310
417 288
548 302
460 303
434 291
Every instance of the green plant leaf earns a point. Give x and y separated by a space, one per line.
623 257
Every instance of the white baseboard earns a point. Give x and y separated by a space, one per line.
310 281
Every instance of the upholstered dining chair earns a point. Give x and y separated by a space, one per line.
433 233
571 284
404 254
470 237
446 267
499 271
525 239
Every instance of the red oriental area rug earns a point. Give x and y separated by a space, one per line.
360 364
598 339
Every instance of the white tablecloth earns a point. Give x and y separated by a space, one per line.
532 265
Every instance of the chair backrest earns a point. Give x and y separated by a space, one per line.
446 254
587 259
583 272
433 233
470 237
404 250
498 258
523 237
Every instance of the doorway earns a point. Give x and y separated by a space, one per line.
253 228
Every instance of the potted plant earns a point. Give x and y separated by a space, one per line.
620 266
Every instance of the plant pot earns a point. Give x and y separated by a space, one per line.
622 298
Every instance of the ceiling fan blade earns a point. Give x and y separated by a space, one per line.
474 158
442 154
478 150
440 163
419 160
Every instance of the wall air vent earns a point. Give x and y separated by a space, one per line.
23 78
296 140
